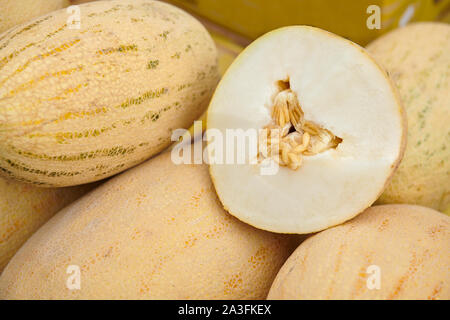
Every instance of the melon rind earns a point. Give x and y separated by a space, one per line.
157 231
388 252
418 61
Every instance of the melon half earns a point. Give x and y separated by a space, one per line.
330 131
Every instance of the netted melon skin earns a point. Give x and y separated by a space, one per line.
417 59
387 252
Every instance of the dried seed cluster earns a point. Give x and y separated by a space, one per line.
289 136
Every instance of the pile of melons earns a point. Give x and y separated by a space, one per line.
341 195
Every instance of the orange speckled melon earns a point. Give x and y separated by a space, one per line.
417 58
387 252
157 231
79 105
24 208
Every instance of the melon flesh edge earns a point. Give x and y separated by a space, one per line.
340 88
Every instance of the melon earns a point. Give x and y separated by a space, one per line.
387 252
311 130
24 208
80 105
157 231
15 12
418 61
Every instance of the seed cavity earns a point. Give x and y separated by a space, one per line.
289 137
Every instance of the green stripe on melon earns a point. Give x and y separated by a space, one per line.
81 105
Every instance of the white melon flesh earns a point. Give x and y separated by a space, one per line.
339 88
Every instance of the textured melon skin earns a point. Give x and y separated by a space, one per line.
24 208
409 243
417 60
80 105
14 12
157 231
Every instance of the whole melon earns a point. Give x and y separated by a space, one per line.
387 252
14 12
24 208
79 105
157 231
417 58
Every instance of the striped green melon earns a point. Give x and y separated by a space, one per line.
79 105
14 12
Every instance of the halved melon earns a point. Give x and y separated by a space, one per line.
330 131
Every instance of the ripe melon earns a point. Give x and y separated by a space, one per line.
15 12
157 231
387 252
417 58
79 105
24 208
318 110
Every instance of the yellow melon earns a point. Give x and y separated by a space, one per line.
387 252
418 60
24 208
80 105
157 231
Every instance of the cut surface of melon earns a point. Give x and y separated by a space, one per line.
340 91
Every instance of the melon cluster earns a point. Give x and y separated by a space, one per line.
340 127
